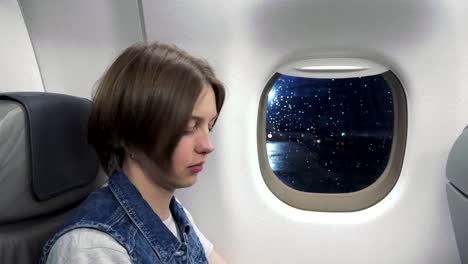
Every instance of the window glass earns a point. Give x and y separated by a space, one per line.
329 135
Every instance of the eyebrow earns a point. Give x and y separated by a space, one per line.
199 118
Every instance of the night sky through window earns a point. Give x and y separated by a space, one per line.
329 135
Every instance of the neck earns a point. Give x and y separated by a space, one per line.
155 195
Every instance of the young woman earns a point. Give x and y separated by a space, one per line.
150 125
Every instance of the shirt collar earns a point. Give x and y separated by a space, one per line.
161 239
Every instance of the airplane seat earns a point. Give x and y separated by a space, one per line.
46 168
457 192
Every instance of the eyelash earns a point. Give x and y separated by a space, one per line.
189 131
192 130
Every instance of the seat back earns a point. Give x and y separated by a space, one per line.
46 168
457 192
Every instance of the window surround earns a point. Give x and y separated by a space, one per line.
337 202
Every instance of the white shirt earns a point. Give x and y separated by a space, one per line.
87 245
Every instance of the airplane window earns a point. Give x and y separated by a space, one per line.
327 135
332 135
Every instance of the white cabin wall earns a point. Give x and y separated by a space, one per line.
421 41
75 41
461 103
19 70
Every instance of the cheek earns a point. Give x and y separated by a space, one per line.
182 152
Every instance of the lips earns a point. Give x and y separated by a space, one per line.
196 168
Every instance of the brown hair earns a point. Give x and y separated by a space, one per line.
144 101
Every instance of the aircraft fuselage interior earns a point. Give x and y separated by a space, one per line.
341 140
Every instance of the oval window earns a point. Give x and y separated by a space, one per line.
332 133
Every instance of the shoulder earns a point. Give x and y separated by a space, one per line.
86 245
84 230
100 206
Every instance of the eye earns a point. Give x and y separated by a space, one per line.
191 127
212 124
190 130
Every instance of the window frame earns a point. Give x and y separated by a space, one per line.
337 202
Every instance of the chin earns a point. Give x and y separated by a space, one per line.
188 182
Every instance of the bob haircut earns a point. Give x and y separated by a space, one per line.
144 101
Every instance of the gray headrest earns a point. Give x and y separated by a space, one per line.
457 164
45 161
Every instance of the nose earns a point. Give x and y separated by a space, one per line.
204 145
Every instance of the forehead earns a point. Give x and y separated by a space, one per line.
205 106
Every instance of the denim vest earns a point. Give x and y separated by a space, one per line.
120 211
